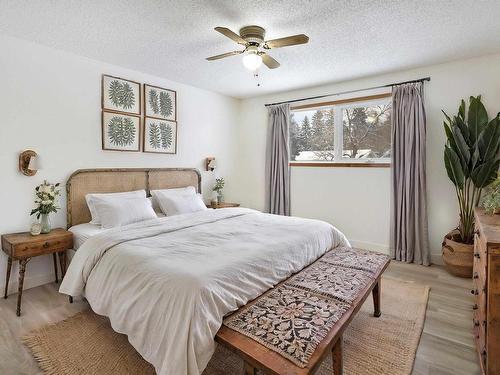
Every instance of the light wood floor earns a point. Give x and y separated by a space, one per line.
446 346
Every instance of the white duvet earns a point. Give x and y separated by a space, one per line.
167 283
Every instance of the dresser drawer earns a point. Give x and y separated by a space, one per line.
479 329
34 248
479 243
479 291
480 259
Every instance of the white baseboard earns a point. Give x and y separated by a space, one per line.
29 282
379 248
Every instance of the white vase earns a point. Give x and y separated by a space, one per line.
45 223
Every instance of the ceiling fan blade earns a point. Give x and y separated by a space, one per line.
231 35
286 41
221 56
269 61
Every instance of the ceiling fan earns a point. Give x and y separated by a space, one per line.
252 39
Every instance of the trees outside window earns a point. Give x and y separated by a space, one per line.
358 132
367 131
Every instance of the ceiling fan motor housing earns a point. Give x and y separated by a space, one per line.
253 34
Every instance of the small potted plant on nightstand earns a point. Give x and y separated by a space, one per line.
218 187
472 158
45 203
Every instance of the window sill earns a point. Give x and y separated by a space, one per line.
372 164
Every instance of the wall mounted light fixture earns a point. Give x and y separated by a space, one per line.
210 163
29 163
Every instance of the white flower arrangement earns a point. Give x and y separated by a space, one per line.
46 199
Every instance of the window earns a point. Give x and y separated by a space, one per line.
353 131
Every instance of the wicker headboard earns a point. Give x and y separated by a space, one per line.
85 181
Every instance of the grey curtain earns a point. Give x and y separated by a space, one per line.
409 241
277 161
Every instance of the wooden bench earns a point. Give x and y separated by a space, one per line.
257 356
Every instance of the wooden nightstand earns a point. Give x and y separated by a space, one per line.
24 246
223 205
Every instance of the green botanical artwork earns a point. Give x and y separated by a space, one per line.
154 136
165 104
166 135
115 88
153 101
121 131
121 94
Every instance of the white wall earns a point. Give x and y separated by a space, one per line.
356 200
50 101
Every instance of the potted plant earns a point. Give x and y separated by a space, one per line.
471 157
45 203
218 187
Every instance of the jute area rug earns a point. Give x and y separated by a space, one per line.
86 344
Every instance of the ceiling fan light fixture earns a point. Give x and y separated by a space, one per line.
252 61
252 37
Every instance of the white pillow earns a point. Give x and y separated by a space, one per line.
181 204
157 194
93 198
156 207
122 211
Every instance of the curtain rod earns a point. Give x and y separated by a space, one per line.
350 91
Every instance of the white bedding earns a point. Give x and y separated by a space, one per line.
167 283
82 232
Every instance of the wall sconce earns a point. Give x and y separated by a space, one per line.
29 163
210 164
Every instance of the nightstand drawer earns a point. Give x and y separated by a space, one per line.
27 250
24 245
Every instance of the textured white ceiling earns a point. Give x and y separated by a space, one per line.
348 38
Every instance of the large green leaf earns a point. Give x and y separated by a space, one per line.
461 110
449 135
477 117
485 173
464 129
446 115
462 150
475 158
489 140
453 167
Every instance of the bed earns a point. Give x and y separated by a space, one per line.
167 283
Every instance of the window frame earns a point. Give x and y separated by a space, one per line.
338 107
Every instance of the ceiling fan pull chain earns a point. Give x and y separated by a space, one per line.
257 78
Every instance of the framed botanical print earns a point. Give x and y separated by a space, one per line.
160 103
121 95
160 136
120 131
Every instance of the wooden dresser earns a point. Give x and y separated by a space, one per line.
486 281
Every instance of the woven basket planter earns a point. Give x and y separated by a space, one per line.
457 256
